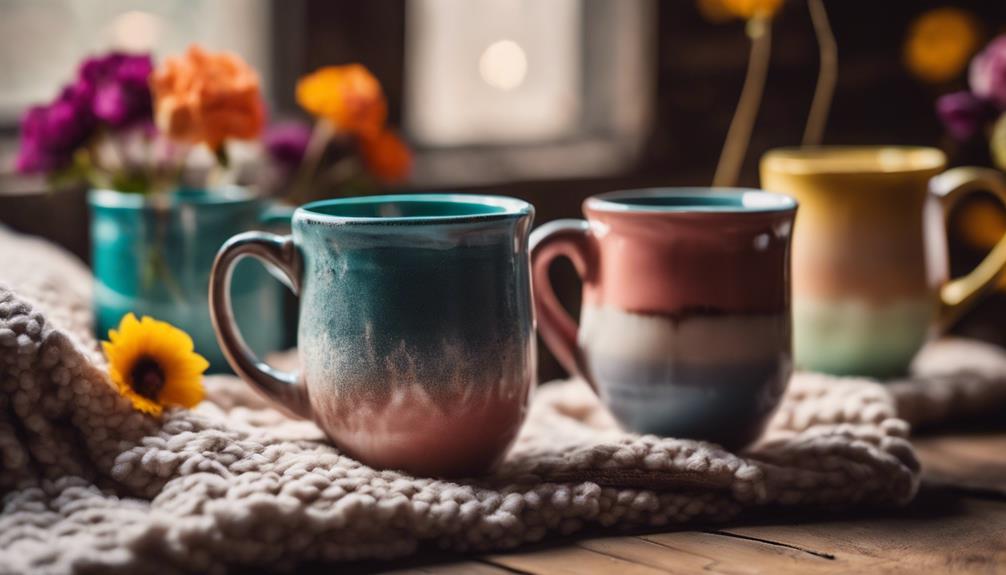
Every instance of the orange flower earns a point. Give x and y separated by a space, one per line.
386 156
723 10
347 96
203 97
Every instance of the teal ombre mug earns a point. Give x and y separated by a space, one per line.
416 333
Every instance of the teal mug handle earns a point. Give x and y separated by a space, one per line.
279 252
278 218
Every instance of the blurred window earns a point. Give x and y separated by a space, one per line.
527 88
493 71
42 41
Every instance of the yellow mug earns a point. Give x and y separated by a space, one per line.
870 268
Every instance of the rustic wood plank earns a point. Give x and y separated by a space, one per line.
427 561
682 552
460 568
944 534
572 560
957 535
691 552
639 550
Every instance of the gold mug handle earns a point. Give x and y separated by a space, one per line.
959 294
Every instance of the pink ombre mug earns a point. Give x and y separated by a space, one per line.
685 324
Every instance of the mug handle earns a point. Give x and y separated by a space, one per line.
959 294
282 387
573 240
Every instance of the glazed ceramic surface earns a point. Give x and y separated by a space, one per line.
685 325
870 267
152 256
416 330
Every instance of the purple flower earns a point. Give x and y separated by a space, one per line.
286 142
33 156
112 90
962 113
119 83
988 73
50 134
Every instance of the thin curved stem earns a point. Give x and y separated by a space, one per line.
739 135
827 76
308 168
340 173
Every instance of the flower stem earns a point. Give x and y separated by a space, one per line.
306 172
343 171
95 174
827 76
739 134
222 173
171 164
118 155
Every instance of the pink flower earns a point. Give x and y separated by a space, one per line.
120 84
287 142
962 113
988 73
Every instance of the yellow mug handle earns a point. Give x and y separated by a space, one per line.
958 295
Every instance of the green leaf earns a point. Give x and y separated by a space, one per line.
131 183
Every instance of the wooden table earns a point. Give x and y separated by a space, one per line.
957 524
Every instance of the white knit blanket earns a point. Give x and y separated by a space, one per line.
89 485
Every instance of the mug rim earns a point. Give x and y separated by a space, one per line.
748 201
852 160
509 208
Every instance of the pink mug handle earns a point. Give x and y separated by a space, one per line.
571 239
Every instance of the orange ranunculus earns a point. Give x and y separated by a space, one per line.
202 97
347 96
386 156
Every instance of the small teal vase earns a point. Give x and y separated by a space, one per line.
152 255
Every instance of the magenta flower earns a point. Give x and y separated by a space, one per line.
962 114
119 83
286 142
50 134
987 74
110 91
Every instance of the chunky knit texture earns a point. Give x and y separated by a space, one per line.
89 485
954 379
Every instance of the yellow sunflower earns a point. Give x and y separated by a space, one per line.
153 364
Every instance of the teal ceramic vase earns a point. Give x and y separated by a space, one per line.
153 255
